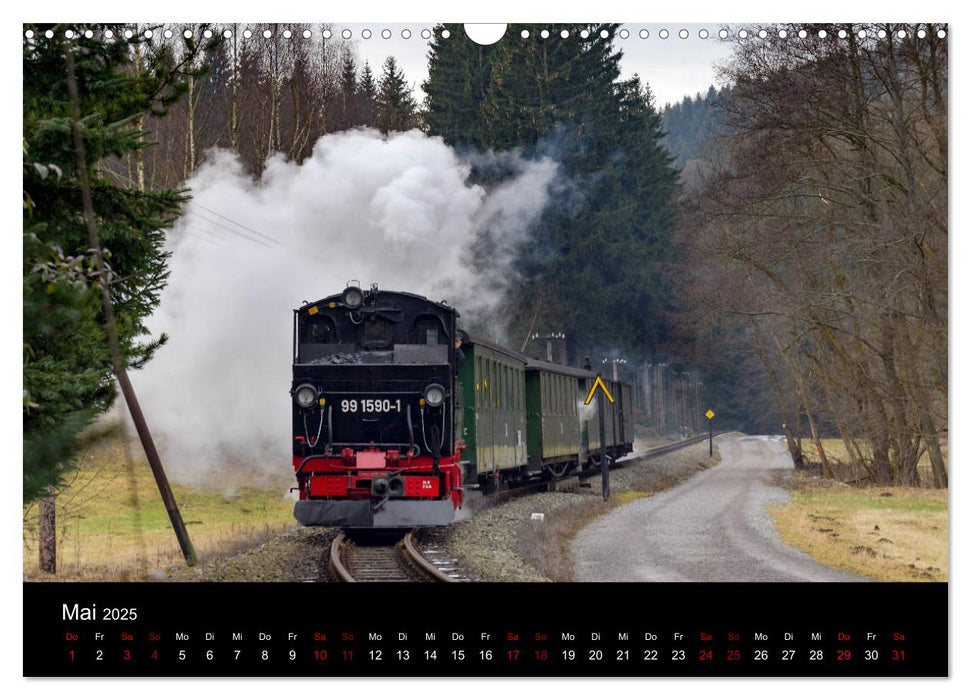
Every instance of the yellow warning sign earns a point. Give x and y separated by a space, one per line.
598 382
710 414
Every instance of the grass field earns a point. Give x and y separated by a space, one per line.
111 525
884 533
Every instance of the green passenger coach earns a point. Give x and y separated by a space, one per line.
520 417
553 403
493 407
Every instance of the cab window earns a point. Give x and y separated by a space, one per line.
429 331
318 329
376 333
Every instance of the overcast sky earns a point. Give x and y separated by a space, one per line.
673 67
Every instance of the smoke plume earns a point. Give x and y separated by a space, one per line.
398 211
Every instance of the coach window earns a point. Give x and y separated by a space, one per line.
494 383
478 382
487 384
512 388
479 387
506 386
498 384
493 380
515 389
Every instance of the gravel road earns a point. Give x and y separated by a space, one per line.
711 527
502 543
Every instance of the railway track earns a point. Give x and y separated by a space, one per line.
398 558
658 451
585 474
380 561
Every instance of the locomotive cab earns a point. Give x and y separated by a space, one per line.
373 410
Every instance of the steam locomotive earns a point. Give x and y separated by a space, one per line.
395 409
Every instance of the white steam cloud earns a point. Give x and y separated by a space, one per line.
397 211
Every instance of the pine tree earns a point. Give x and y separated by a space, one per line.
67 367
395 105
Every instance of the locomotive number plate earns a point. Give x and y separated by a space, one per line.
370 405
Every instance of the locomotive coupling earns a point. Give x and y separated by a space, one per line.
379 486
383 487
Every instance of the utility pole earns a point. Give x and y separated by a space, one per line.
648 405
550 344
111 329
698 386
614 362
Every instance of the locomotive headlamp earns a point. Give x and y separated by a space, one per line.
305 395
352 297
434 395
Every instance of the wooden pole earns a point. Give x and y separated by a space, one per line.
47 548
118 365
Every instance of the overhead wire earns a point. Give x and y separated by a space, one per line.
234 231
236 223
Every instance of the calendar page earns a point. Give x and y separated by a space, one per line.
600 350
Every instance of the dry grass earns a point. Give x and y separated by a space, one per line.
884 533
111 525
547 548
835 449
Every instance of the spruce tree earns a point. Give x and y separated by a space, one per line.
395 105
459 72
600 250
349 113
67 368
367 92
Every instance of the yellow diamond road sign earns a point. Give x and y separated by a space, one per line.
710 414
593 390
